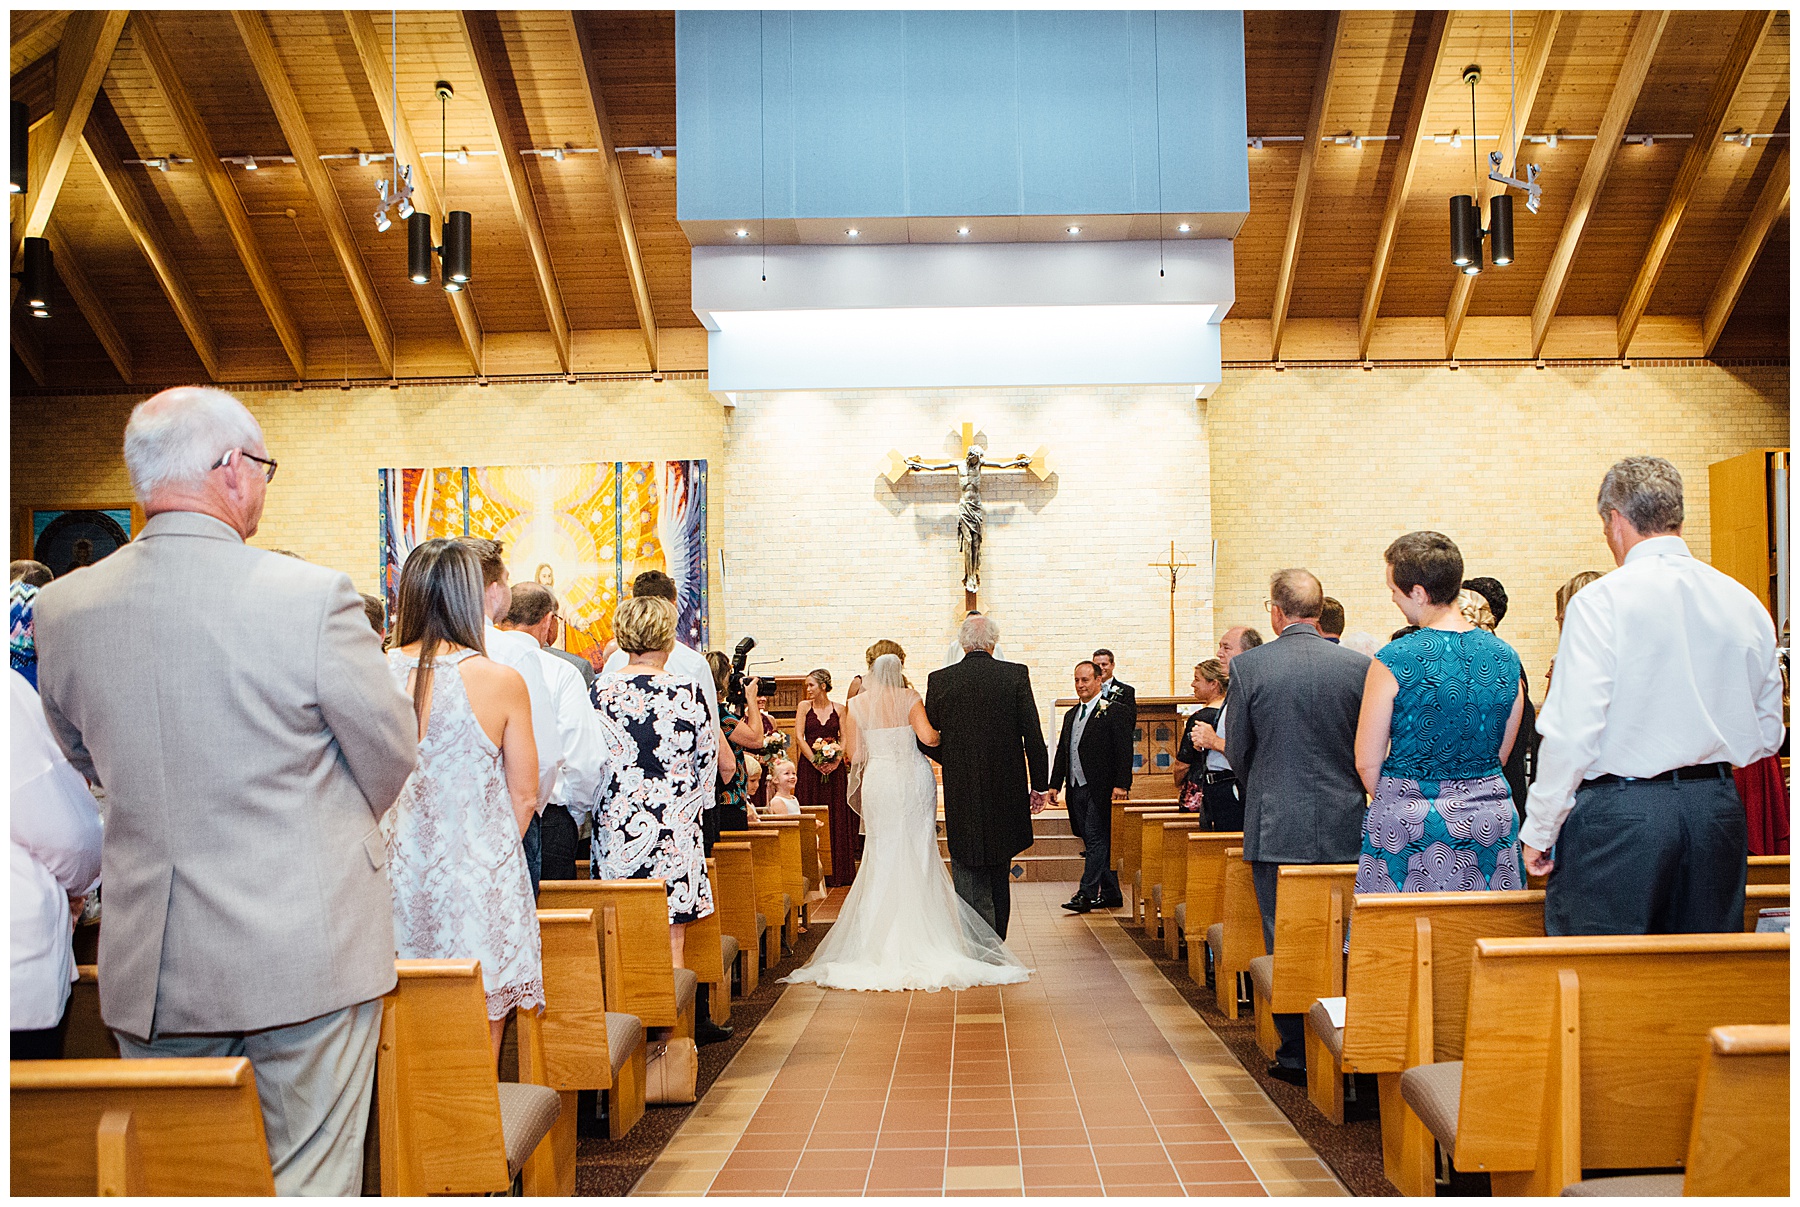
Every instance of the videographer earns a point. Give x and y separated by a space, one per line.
741 719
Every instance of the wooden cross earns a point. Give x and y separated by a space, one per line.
1174 569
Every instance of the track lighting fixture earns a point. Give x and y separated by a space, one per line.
37 277
419 248
21 147
1466 234
249 163
381 218
404 199
362 159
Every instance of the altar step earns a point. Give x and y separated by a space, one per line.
1055 853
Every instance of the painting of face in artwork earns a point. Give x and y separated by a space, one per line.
583 531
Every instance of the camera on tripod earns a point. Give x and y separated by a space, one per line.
736 690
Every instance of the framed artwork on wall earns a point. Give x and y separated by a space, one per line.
65 538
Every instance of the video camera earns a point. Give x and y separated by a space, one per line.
736 693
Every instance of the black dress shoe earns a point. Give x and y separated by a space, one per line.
1281 1072
1115 903
708 1032
1079 904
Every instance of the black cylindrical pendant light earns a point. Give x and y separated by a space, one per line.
21 146
418 247
37 277
1465 232
1500 229
458 249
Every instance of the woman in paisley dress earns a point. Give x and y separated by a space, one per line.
1440 713
647 814
461 888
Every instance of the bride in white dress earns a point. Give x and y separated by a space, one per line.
902 925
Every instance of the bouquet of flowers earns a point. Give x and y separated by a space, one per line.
775 744
826 752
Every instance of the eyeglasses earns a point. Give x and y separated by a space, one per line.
268 464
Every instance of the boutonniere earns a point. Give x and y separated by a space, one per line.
1101 707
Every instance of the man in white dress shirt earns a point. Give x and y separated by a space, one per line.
520 651
1666 677
591 745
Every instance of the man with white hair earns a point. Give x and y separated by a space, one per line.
237 708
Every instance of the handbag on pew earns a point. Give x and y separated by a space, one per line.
671 1072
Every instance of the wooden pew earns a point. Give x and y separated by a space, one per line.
1407 987
1174 882
1739 1142
703 952
813 871
1237 938
1149 872
1128 841
583 1046
1585 1051
444 1129
765 852
1758 897
1768 869
734 896
180 1126
648 985
1169 839
1312 901
821 815
793 873
1205 902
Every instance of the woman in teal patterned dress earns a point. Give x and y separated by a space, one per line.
1440 712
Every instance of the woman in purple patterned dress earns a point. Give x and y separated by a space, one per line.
647 815
1440 712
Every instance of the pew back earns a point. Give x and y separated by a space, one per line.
1398 938
821 815
700 950
1174 879
573 1024
1241 939
1646 1005
195 1125
1768 869
735 897
1739 1144
1758 897
765 853
646 986
1312 902
1150 855
1128 836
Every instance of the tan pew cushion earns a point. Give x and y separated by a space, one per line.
526 1115
1156 895
1181 918
1262 975
1215 938
728 952
624 1035
686 980
1434 1093
762 924
1319 1019
1647 1186
787 904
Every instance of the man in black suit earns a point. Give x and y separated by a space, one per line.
1290 735
993 757
1093 757
1122 696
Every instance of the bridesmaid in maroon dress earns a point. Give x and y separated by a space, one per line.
825 783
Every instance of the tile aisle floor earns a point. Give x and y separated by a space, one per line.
1094 1077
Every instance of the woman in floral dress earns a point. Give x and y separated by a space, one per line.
461 887
647 815
1440 712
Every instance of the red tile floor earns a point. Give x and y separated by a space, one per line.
1092 1078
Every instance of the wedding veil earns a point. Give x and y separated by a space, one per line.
885 702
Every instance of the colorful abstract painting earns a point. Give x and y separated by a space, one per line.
584 531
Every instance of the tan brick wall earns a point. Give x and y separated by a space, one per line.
1324 467
66 451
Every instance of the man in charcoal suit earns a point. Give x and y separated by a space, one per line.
993 759
1093 756
1290 735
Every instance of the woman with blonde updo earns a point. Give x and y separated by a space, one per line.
884 646
819 743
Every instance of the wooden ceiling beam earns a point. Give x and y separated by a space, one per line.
1632 73
253 28
1329 58
224 192
1437 24
31 352
1770 205
1531 78
371 52
26 23
588 50
1751 32
93 307
500 103
122 190
88 42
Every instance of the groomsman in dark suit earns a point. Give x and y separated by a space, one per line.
1122 695
1093 756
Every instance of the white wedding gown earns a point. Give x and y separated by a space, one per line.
902 925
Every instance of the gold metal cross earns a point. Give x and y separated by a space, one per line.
1173 569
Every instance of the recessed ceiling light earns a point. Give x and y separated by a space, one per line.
1183 228
852 232
962 230
1074 230
742 233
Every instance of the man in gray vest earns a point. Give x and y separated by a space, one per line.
1290 734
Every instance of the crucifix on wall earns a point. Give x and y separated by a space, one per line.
971 516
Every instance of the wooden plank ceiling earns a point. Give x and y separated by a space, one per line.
1676 246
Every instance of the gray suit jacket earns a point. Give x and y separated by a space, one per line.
1290 735
239 712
